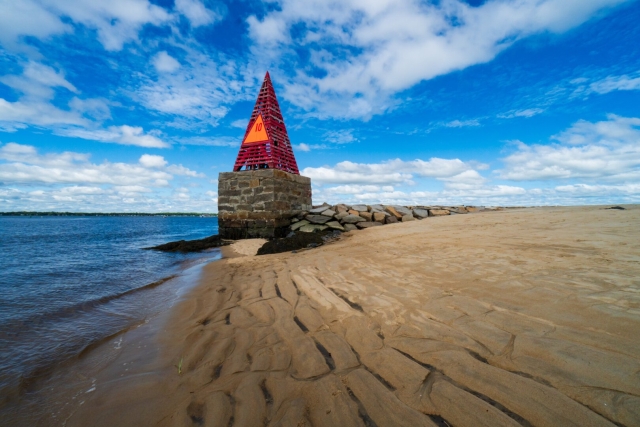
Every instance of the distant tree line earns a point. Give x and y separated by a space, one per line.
26 213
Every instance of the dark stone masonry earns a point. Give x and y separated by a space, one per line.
260 203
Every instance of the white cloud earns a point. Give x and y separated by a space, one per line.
116 21
23 164
303 147
125 135
600 190
27 18
97 108
27 166
240 123
37 80
308 147
69 181
529 112
613 83
199 93
34 107
467 180
152 161
462 123
370 51
211 141
607 150
165 63
20 113
37 85
196 12
343 136
358 189
492 195
388 172
181 170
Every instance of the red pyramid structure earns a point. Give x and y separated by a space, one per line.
266 143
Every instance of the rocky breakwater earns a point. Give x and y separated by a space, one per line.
344 217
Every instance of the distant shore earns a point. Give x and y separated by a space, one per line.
29 213
509 318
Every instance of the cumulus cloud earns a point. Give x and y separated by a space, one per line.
19 114
116 21
163 62
608 150
70 181
152 161
125 135
196 12
369 51
370 194
23 164
303 147
390 172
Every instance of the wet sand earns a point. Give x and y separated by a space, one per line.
516 317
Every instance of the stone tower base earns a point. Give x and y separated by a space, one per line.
260 203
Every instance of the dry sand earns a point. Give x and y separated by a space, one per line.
520 317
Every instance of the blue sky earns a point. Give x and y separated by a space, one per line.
137 105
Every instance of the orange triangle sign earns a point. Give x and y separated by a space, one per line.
258 132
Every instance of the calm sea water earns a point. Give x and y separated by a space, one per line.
69 282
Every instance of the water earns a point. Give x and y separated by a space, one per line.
69 282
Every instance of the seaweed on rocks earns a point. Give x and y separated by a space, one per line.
192 245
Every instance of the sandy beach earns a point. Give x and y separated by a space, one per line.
525 317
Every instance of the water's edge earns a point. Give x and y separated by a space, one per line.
31 402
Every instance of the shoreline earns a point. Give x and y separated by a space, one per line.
525 315
31 390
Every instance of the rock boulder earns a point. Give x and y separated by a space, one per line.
341 215
335 225
438 212
299 224
366 215
319 209
402 210
420 213
317 219
352 219
312 228
380 216
391 210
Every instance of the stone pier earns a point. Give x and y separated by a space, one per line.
260 203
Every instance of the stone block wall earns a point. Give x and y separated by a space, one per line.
260 203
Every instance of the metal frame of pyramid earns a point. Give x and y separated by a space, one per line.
275 152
